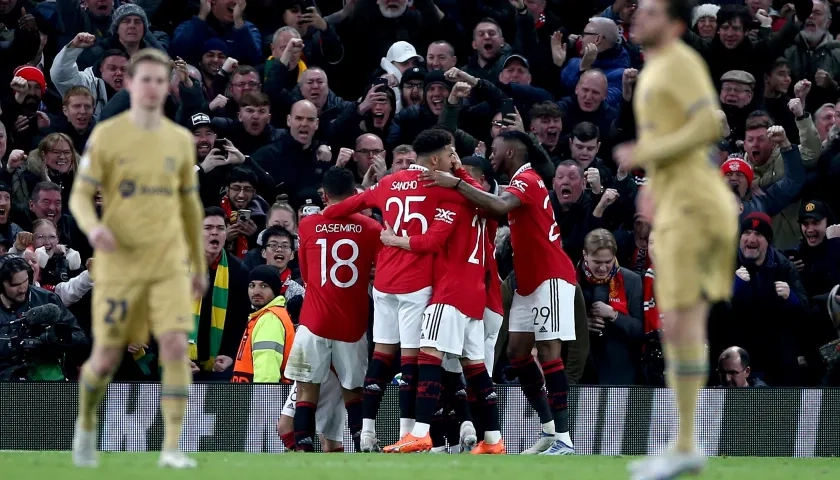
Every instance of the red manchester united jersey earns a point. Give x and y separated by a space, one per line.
494 283
457 237
336 257
409 208
535 237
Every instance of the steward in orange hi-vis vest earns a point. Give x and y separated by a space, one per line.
268 337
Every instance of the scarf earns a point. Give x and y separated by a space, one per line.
652 320
641 260
618 297
285 277
217 316
240 245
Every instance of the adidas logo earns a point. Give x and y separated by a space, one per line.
373 387
461 393
306 441
492 396
543 330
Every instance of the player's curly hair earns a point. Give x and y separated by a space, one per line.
430 141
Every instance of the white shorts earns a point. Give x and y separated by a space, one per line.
492 325
311 357
397 317
330 412
448 330
548 312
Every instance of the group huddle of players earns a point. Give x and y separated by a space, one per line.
436 290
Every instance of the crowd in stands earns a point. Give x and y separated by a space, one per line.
276 92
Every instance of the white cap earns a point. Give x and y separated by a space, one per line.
401 52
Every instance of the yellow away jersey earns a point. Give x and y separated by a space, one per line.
673 89
150 198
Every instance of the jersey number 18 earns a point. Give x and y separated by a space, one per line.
338 262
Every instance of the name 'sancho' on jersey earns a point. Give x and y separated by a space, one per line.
338 228
404 186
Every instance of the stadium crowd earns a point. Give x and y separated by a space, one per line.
278 91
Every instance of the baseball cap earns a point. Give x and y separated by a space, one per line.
814 210
413 73
401 52
519 58
199 120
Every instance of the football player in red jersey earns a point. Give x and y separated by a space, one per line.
493 312
543 304
336 258
452 321
402 286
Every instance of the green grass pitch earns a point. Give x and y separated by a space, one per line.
297 466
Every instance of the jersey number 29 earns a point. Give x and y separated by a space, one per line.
338 262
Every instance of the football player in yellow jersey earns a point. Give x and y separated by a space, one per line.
146 243
693 212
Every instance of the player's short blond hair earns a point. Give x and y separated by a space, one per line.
149 55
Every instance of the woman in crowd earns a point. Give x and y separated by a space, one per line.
614 306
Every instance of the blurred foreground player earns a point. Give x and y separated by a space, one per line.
144 165
542 311
693 213
336 259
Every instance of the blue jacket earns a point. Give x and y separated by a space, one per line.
612 62
244 43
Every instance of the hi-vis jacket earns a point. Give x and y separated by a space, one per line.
265 345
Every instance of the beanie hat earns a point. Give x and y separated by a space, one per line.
128 10
4 187
214 44
32 74
737 164
759 222
269 275
436 76
705 10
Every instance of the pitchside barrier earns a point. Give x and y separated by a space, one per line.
605 420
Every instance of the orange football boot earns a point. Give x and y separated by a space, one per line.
484 448
410 444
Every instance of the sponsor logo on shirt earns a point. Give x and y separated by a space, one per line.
519 185
127 188
162 190
444 215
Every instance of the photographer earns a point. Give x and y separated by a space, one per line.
36 331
